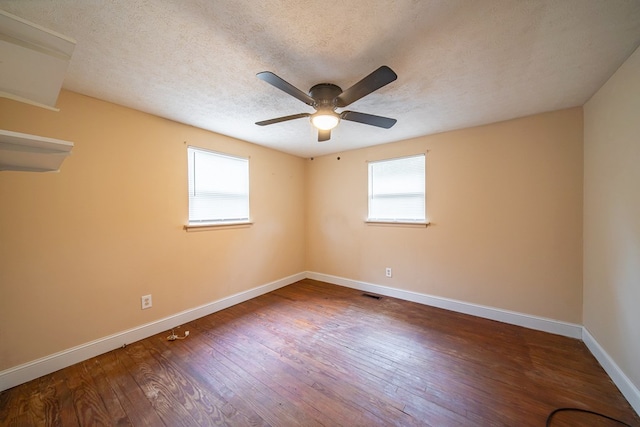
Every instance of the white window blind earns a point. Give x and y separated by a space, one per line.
218 187
397 189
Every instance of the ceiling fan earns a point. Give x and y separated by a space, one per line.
326 97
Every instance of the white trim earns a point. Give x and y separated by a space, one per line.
628 389
420 224
26 372
571 330
217 225
31 370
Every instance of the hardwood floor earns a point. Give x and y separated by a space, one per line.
317 354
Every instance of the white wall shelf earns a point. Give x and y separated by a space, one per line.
32 153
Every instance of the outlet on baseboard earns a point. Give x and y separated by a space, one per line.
387 271
146 301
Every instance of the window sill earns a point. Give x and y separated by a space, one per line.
398 223
217 226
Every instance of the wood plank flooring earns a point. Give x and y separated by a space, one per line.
315 354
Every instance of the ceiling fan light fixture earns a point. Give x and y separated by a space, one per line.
326 97
325 120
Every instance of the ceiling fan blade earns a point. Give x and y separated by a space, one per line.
368 119
374 81
284 86
324 135
282 119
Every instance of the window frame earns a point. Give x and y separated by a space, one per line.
397 220
216 222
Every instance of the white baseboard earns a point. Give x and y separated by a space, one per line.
20 374
627 388
528 321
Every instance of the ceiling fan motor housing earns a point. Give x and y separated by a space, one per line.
325 95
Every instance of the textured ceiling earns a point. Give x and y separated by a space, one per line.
460 63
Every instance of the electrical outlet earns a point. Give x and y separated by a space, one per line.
387 271
146 301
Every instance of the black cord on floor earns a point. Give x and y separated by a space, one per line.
586 411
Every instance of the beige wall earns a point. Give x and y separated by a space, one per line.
78 248
612 217
506 205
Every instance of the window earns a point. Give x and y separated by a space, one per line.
397 190
218 188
